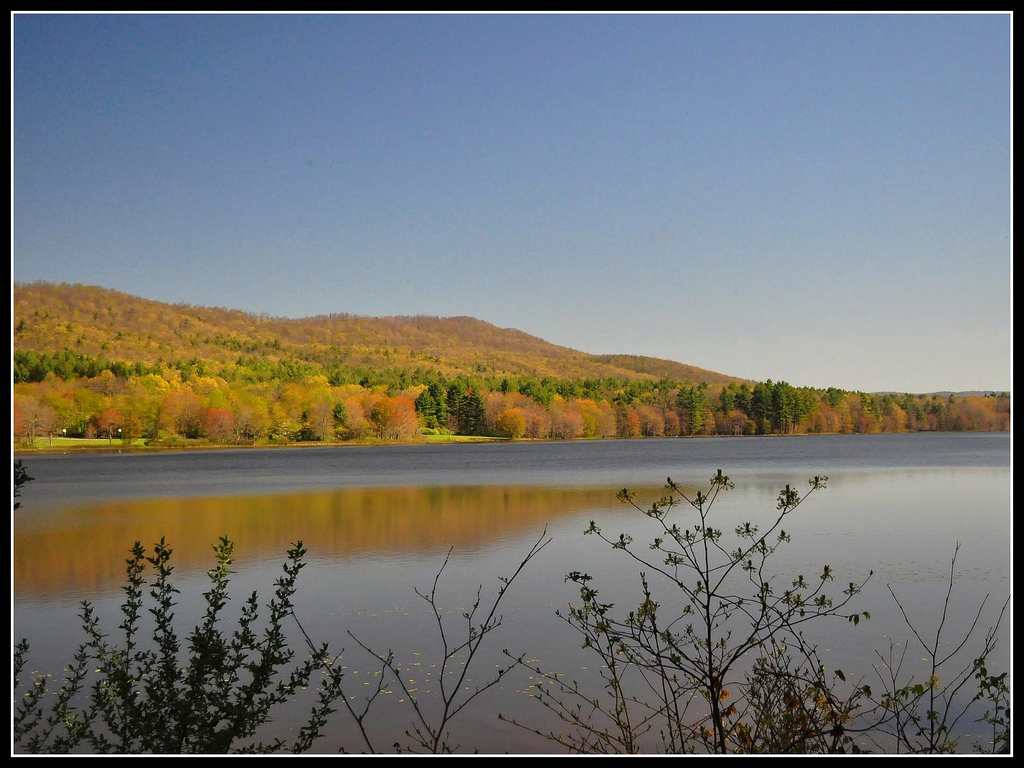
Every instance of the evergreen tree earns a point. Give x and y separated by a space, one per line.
761 406
437 393
472 415
426 406
692 403
453 401
340 414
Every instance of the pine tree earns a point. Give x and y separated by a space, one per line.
692 402
440 405
453 400
426 406
472 421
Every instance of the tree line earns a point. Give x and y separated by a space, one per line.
283 401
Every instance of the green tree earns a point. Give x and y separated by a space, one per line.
453 404
437 393
340 416
472 414
427 408
692 402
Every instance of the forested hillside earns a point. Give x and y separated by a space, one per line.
92 362
98 322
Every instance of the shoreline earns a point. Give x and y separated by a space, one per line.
364 443
115 448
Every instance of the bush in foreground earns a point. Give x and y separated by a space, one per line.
152 701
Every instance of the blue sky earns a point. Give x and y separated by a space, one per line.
820 199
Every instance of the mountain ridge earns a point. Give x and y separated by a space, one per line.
99 321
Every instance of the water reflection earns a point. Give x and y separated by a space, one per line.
82 549
370 546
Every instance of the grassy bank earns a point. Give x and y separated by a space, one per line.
43 445
61 445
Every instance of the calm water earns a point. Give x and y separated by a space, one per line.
377 521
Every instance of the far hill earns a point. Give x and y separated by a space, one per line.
660 368
105 323
957 393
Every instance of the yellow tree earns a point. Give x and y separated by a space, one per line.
511 423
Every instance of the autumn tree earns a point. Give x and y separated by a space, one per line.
109 421
32 418
321 418
394 418
511 423
628 421
219 425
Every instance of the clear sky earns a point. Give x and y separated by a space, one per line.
820 199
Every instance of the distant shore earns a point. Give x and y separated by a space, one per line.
66 446
71 445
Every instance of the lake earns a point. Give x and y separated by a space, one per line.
377 521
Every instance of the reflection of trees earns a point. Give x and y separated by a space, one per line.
84 548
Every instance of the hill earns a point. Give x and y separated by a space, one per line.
98 321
